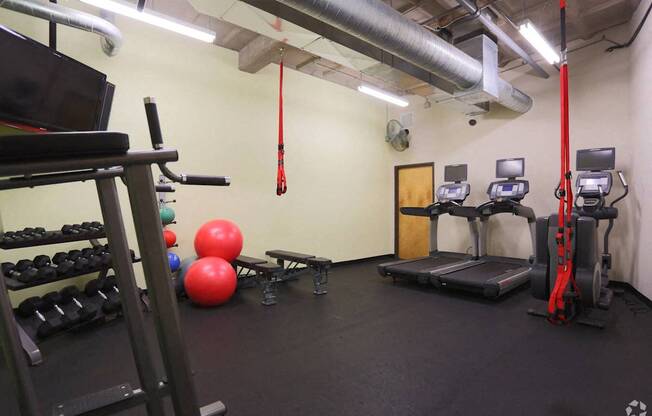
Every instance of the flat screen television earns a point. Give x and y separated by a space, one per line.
42 88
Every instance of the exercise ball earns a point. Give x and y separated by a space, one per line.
219 238
174 261
170 238
210 281
181 273
167 214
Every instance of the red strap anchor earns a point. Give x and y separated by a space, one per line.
281 182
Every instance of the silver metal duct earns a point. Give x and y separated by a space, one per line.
382 26
111 36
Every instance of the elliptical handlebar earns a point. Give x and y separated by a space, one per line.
623 181
156 137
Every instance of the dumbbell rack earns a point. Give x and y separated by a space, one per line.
28 327
135 168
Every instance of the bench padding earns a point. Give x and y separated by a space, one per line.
289 255
257 265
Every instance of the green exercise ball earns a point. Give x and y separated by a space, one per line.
167 215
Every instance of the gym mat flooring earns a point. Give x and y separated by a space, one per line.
371 347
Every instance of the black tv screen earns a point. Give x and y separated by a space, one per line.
42 88
510 168
455 173
596 159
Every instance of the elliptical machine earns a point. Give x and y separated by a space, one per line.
591 268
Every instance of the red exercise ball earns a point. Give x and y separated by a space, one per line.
210 281
170 238
219 238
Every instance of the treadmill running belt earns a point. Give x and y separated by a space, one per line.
478 275
416 266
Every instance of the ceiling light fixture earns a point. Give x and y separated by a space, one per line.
540 43
382 95
155 19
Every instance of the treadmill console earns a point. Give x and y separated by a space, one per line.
508 190
593 184
453 192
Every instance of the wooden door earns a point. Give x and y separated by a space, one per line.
413 187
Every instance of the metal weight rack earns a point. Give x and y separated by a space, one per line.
134 167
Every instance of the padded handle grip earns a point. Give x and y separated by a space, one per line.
621 175
153 123
165 188
207 180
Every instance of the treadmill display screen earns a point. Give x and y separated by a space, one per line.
43 88
596 159
510 168
453 192
455 173
507 188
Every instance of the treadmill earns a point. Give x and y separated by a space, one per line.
493 276
449 195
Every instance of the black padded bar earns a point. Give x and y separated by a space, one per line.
206 180
153 123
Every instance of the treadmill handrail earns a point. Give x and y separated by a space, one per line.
507 206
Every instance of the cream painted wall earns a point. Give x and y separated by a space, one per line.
223 121
599 93
641 121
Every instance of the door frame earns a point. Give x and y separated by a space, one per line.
397 212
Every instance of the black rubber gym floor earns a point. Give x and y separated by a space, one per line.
371 347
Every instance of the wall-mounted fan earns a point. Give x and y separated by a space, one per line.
397 135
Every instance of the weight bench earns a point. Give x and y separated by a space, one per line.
318 265
265 274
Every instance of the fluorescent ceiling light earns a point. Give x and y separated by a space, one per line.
164 22
382 95
542 46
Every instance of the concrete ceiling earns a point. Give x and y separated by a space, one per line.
585 18
259 36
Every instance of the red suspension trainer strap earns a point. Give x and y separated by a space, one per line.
281 183
565 278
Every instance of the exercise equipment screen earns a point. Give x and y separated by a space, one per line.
510 168
56 94
455 173
596 159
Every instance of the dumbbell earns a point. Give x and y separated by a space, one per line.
95 287
23 271
94 226
110 283
60 267
80 262
35 306
73 229
31 233
69 294
54 299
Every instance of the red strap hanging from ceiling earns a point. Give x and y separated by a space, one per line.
565 277
281 183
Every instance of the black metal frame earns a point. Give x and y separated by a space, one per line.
136 166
